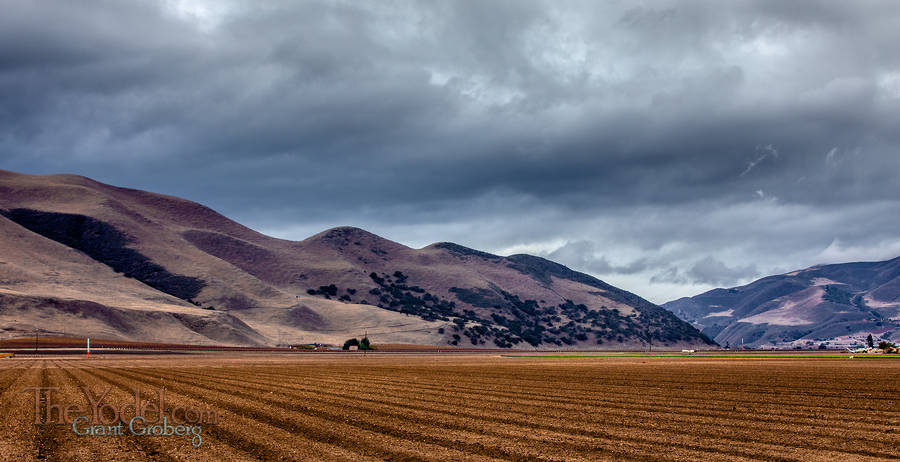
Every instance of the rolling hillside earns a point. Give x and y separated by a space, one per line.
839 305
84 258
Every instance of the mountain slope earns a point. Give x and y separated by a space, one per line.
144 266
835 304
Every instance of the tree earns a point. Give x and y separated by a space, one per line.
870 341
351 342
365 345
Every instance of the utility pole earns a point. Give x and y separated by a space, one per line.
36 340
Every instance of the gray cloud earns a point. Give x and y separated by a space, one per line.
711 271
625 140
584 255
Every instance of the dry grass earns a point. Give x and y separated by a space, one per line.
254 277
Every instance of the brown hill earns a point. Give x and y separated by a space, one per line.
835 305
85 258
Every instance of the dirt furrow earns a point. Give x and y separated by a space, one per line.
17 428
809 435
472 407
238 433
623 393
345 436
524 435
48 436
127 446
747 413
686 391
473 443
583 424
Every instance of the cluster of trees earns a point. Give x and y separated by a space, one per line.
328 291
524 325
363 344
838 294
332 290
394 294
884 345
514 321
532 323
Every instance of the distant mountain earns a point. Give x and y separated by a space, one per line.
84 258
839 305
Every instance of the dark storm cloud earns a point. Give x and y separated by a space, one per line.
682 143
707 270
584 254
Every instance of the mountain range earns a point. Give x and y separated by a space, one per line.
833 305
82 258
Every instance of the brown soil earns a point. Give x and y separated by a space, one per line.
473 407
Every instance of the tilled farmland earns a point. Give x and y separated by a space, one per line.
467 407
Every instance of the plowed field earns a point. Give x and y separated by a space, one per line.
469 407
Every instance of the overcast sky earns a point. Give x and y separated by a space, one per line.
665 147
